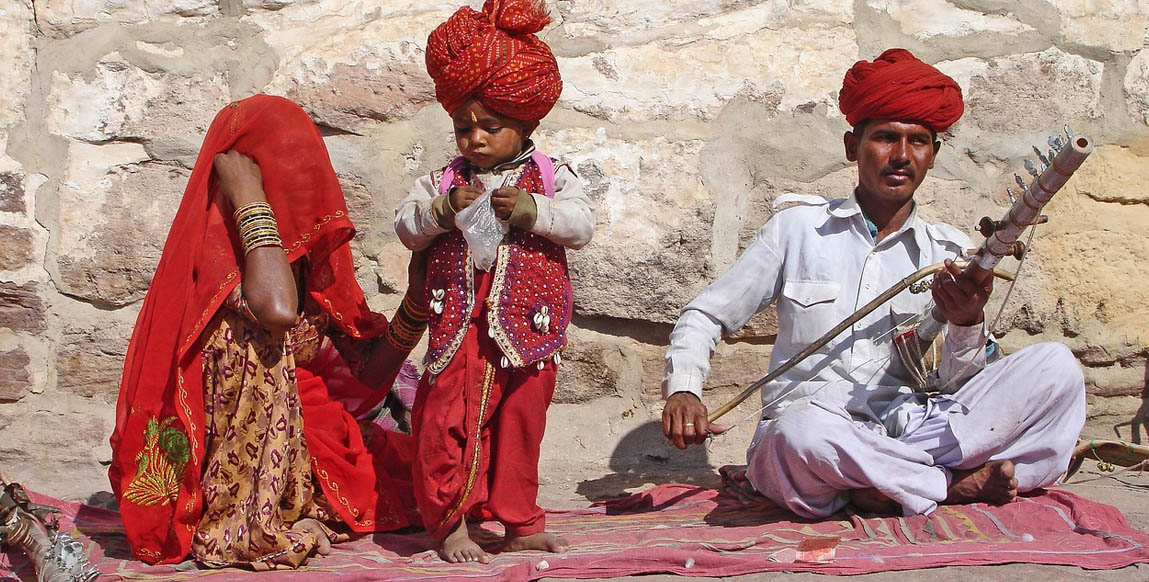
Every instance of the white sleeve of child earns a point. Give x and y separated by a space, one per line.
566 219
415 221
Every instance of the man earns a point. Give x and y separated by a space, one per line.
844 425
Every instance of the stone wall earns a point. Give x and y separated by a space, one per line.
686 119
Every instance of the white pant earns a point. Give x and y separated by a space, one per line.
1028 408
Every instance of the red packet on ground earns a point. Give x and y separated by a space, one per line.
812 550
817 549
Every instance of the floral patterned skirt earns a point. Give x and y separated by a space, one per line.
257 481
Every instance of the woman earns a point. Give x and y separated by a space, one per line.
228 441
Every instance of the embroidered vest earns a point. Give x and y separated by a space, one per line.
529 303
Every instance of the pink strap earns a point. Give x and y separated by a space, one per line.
546 170
449 173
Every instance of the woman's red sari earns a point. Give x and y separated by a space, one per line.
160 413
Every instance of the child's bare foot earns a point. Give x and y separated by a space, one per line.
311 526
547 542
993 482
873 501
458 547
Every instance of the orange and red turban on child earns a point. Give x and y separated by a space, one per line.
898 86
494 57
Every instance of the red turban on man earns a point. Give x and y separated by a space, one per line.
898 86
494 57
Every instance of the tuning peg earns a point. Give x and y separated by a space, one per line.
1056 143
1041 156
1032 169
1021 183
1012 198
1068 133
1017 250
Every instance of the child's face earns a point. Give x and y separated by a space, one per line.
487 139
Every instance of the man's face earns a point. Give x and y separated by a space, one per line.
487 139
893 158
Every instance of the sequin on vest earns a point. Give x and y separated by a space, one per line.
529 304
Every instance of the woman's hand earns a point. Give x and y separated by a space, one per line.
239 178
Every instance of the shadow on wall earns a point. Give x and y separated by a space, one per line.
643 458
1140 421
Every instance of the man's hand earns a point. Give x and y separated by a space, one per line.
959 299
240 181
503 201
684 421
463 196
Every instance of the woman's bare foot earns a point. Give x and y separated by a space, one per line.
311 526
993 482
547 542
458 547
874 501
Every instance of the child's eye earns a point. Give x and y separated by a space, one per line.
494 129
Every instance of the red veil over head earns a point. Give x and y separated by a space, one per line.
160 413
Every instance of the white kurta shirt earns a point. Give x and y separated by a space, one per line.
818 263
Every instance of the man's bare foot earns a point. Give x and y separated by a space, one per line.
993 482
874 501
458 547
547 542
311 526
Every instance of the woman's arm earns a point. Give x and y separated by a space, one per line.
268 283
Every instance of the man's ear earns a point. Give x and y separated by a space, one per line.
937 148
529 127
850 141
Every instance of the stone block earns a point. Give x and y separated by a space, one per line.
63 18
1111 26
90 359
649 255
12 192
14 378
16 248
118 100
352 70
693 78
17 25
605 21
935 30
1091 253
1117 380
1033 93
56 450
1137 87
114 215
21 307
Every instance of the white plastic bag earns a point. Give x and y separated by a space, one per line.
483 231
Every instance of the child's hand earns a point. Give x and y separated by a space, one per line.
464 196
503 201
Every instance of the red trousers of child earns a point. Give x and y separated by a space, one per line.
477 429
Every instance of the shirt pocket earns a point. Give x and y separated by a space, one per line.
811 304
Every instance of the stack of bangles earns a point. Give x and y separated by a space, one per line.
257 226
407 326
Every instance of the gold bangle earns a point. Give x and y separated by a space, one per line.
253 219
250 206
264 242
